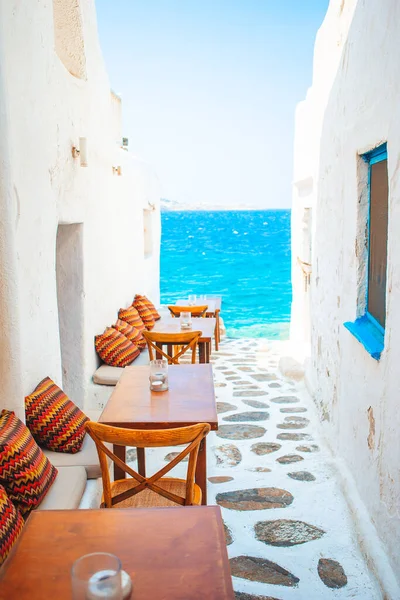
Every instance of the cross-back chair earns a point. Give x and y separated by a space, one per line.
195 311
181 341
138 491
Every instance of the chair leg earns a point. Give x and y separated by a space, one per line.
217 332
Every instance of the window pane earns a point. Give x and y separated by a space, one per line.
378 228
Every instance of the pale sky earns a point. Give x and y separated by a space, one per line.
209 89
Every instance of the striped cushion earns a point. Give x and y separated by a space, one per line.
115 349
149 305
25 472
54 421
145 313
134 335
11 524
131 316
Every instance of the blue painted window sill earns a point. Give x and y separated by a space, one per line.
368 334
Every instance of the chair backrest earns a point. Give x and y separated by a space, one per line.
195 311
192 436
186 340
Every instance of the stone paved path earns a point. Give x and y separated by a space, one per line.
289 532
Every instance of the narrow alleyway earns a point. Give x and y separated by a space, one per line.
289 530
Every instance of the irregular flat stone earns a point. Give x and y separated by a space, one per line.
294 437
220 384
256 403
244 596
220 479
233 377
247 393
331 573
131 455
259 470
274 385
255 499
230 373
241 382
286 532
289 458
172 455
228 535
225 407
294 423
262 570
293 409
263 448
248 416
302 476
308 448
285 400
245 369
227 455
264 376
221 368
240 432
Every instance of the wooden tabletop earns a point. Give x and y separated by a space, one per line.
173 325
190 399
170 553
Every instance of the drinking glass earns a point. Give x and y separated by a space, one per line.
186 320
95 576
192 299
159 375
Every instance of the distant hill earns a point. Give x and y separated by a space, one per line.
169 205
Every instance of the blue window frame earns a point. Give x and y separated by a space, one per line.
369 328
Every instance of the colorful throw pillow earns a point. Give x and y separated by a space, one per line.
156 316
115 349
131 316
134 335
54 421
145 313
11 524
25 472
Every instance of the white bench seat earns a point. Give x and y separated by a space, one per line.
67 489
106 375
87 457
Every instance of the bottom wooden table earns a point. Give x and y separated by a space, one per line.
170 553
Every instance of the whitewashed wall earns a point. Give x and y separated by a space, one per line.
44 110
352 107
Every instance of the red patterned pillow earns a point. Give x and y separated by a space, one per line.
115 349
145 313
131 316
11 524
134 335
25 472
149 305
54 421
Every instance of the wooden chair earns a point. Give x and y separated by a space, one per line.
138 491
183 342
195 311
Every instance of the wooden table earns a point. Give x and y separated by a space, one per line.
206 326
190 399
170 553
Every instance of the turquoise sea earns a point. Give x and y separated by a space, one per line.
243 256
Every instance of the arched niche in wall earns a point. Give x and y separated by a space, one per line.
68 36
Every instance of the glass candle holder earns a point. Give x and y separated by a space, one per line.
186 320
192 299
97 576
158 375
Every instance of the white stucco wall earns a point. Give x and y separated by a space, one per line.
351 108
44 110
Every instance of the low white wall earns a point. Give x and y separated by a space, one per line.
355 102
44 112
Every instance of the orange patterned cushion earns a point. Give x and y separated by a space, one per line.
25 472
54 421
115 349
11 524
145 313
149 305
131 316
134 335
